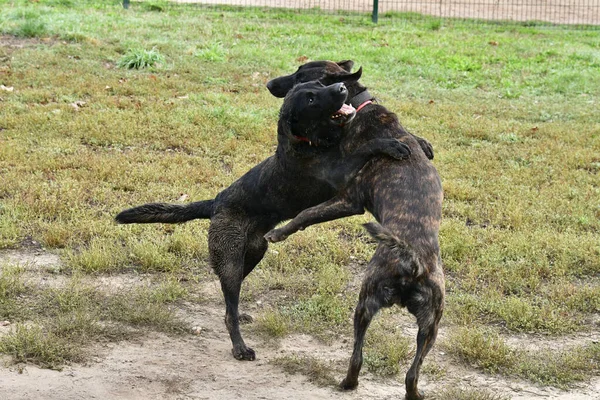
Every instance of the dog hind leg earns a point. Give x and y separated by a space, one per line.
257 246
366 309
227 242
428 314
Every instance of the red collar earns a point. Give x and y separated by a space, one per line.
363 105
302 139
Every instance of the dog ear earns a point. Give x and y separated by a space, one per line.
355 76
346 65
279 87
329 78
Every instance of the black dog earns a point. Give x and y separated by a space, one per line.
406 199
303 172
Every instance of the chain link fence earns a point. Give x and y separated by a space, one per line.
580 13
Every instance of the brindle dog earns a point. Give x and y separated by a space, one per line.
304 172
406 199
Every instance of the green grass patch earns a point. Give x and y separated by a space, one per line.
32 344
487 350
385 350
468 394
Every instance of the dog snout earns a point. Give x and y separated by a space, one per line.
270 85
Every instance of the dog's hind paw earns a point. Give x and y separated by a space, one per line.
245 354
348 385
418 395
275 235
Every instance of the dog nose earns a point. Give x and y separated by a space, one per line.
270 85
340 87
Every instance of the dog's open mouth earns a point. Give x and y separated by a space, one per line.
344 114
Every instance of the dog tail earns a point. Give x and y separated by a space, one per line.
166 213
410 262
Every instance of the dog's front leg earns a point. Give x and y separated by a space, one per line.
338 207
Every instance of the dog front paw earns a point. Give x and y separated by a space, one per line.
275 235
426 147
398 150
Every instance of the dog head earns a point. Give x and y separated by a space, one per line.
327 72
313 114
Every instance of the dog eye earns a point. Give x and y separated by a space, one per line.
311 98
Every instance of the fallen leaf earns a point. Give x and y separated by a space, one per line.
493 43
302 59
431 101
7 88
535 129
183 197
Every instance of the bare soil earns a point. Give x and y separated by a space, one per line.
200 366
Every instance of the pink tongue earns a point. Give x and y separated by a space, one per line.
346 109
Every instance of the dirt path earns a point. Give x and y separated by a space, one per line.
200 366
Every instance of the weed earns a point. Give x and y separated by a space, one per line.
482 347
273 324
32 344
385 350
138 58
560 368
468 394
215 52
31 28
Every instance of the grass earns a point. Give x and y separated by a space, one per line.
54 326
511 111
468 394
317 371
140 58
487 350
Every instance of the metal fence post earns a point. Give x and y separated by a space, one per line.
375 11
125 4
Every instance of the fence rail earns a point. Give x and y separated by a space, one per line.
568 12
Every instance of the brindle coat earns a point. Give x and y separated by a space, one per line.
406 199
